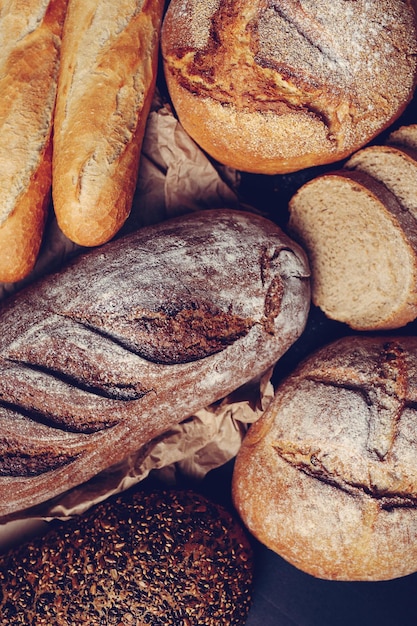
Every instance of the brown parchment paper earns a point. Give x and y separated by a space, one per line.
175 177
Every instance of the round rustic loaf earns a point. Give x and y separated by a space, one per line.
161 558
327 477
280 86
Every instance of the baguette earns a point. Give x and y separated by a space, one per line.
30 37
135 336
327 477
106 84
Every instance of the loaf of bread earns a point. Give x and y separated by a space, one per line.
280 86
327 477
149 557
30 36
135 336
361 243
106 83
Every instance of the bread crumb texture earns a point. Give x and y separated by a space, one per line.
361 245
162 558
278 86
327 476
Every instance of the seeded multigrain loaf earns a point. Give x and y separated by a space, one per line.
134 337
327 477
361 243
30 40
161 558
106 83
274 87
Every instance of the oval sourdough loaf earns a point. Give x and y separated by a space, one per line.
327 477
134 337
161 557
361 243
106 84
30 39
274 87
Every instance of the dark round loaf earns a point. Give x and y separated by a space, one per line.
274 87
163 558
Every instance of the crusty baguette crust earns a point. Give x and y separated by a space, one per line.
29 61
134 337
280 86
106 83
327 477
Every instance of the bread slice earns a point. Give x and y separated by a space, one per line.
396 168
362 249
404 136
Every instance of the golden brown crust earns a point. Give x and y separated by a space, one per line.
30 38
335 455
276 87
106 84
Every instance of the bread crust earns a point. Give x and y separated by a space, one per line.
106 84
105 355
30 36
277 87
327 476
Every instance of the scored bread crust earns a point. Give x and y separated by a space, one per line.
327 477
30 38
106 84
280 86
135 336
361 245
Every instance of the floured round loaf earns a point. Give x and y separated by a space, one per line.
327 477
134 337
362 247
160 558
274 87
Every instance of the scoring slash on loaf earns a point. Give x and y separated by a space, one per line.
327 477
30 38
161 557
134 337
275 87
106 83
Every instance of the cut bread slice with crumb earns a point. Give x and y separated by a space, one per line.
396 168
362 250
404 136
